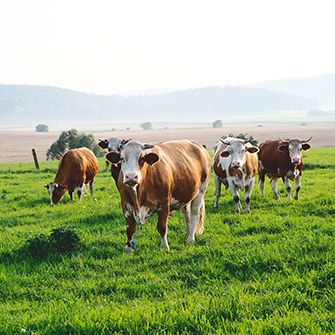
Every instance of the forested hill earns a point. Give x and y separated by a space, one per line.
27 105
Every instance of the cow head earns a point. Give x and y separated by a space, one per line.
112 144
133 156
56 192
294 148
236 149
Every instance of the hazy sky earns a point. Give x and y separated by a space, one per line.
108 46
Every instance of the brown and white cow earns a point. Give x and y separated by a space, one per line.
235 165
76 168
161 178
113 144
282 159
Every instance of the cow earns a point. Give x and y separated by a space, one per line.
77 167
159 179
282 159
235 165
113 144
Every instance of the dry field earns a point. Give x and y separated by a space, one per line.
16 145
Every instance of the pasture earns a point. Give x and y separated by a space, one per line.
268 272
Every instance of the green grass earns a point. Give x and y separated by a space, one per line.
270 272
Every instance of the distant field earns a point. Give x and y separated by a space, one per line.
16 145
270 272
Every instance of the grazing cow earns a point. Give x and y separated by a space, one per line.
161 178
113 144
76 168
235 165
282 159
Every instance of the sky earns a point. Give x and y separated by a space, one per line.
107 46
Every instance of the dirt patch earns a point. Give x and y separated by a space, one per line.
16 145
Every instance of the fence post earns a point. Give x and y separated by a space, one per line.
35 159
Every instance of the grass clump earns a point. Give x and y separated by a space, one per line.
61 239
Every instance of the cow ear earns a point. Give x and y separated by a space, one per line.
252 150
283 148
46 186
113 157
225 153
151 158
103 144
306 146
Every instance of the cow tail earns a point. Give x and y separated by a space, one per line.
200 226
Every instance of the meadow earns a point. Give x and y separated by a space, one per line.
268 272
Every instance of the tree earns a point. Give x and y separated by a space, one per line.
217 124
71 139
42 128
146 125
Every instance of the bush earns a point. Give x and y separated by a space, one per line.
64 239
71 139
38 246
61 240
146 125
42 128
217 124
245 136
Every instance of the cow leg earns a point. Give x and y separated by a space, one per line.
288 187
297 187
131 229
186 210
261 180
163 215
196 206
236 196
71 194
92 186
248 190
274 181
217 191
80 191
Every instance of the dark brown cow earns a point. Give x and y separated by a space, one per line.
282 159
76 168
161 178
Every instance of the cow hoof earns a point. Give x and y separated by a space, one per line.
296 198
165 246
129 250
247 211
237 211
190 240
276 197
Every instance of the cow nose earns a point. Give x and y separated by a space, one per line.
235 164
296 160
133 177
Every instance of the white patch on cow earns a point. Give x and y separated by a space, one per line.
164 243
51 188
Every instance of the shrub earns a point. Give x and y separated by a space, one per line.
71 139
64 239
61 240
42 128
146 125
245 136
38 246
217 124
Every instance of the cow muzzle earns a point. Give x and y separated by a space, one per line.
296 160
131 179
235 165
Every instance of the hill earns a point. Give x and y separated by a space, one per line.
321 88
28 105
